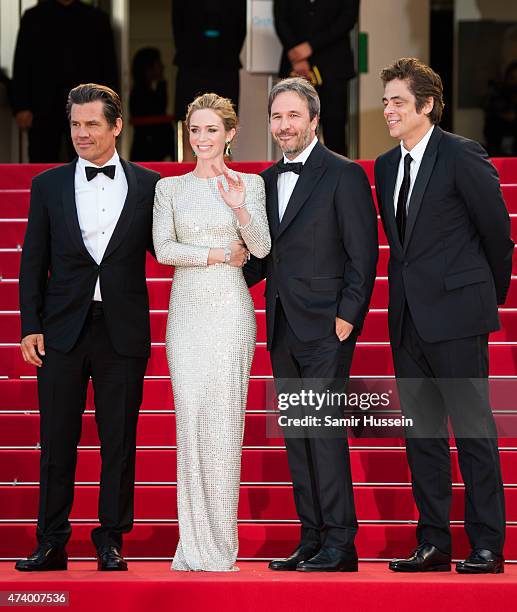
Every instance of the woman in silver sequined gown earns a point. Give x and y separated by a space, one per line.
211 332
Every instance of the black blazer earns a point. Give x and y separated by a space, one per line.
456 261
58 274
326 25
324 252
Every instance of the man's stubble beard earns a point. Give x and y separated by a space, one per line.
303 144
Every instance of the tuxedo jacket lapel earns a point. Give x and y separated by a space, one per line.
70 210
126 216
312 171
422 179
272 202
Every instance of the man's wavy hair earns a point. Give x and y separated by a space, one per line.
92 92
423 83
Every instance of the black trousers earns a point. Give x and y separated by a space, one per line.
118 387
429 457
334 113
319 466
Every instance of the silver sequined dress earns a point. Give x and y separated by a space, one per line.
210 342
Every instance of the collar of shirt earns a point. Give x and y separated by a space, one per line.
114 161
304 155
417 152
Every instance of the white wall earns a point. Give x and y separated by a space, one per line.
396 28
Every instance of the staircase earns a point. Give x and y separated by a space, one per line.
267 519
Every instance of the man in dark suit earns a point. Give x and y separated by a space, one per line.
316 33
85 313
450 266
51 57
319 279
208 39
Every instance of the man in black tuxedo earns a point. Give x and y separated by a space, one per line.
85 313
51 57
316 33
319 278
450 266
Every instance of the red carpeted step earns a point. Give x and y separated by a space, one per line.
14 203
258 466
260 540
10 265
21 395
153 430
375 328
12 231
14 191
369 360
19 176
158 429
159 292
257 503
255 588
507 169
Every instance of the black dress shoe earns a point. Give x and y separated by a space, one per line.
481 561
329 560
302 553
46 558
109 559
425 558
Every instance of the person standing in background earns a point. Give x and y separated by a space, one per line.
316 34
148 100
60 44
208 36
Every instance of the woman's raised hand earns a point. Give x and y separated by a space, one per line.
236 194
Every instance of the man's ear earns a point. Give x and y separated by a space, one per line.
428 107
118 126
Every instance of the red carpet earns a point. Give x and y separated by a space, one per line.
152 586
267 518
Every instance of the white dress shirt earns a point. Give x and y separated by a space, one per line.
99 203
286 181
417 152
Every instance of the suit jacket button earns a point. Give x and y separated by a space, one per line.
406 264
277 260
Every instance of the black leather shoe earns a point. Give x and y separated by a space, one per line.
329 560
109 559
302 553
425 558
481 561
46 558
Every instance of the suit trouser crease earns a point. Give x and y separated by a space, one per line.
429 457
319 466
118 386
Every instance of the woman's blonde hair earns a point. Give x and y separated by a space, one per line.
222 106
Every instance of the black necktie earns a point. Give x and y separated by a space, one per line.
91 172
402 200
294 167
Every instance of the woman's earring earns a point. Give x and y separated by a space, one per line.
193 153
227 148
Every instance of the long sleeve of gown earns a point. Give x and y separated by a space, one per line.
168 250
256 232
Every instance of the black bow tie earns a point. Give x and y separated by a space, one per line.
296 167
91 172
